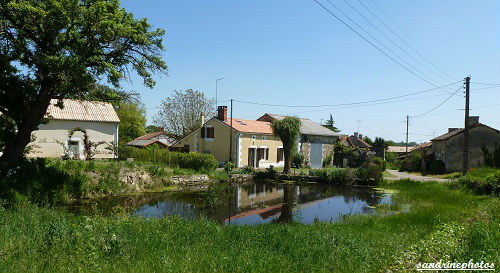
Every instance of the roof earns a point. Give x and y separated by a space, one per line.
354 141
82 110
151 138
461 131
250 126
307 126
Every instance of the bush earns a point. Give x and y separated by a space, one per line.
42 183
482 181
229 167
195 161
270 174
298 160
328 160
355 156
437 167
371 174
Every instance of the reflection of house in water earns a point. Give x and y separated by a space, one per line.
258 195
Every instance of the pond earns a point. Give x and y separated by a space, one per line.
249 204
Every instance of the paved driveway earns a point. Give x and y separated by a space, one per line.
403 175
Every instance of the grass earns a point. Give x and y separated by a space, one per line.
387 174
45 240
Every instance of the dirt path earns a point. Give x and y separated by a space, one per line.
402 175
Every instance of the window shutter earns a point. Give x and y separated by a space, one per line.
267 153
202 132
212 132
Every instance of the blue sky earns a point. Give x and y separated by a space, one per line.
295 53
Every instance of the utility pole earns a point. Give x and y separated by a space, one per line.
358 121
407 125
465 167
231 135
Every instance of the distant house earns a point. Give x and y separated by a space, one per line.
355 140
253 143
161 138
315 141
449 147
99 119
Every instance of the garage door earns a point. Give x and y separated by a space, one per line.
316 155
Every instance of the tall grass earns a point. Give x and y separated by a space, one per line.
42 239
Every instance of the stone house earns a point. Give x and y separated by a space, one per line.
99 119
449 147
315 141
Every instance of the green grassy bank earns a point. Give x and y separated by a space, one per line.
439 224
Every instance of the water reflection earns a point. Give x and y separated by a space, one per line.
252 204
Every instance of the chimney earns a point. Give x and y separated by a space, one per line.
360 136
473 120
202 119
356 134
452 129
222 113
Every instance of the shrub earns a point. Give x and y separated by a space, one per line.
328 160
482 181
298 160
42 183
270 173
195 161
437 167
370 174
355 156
228 167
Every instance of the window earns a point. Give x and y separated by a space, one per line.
263 137
263 153
207 132
254 137
281 156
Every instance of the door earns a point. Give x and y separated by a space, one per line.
252 158
74 149
316 155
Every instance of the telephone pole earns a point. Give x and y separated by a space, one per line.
231 135
465 167
407 125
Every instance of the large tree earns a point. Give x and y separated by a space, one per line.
180 113
56 48
132 120
287 130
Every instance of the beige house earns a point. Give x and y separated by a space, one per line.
99 119
252 142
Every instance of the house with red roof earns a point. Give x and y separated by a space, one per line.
244 142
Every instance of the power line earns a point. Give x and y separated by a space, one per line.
438 104
346 104
372 44
389 38
378 41
411 39
482 83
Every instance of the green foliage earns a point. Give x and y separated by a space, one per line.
298 160
229 167
491 159
180 113
89 147
370 174
437 167
368 140
329 124
41 183
393 163
195 161
132 120
269 174
328 160
414 162
215 194
153 128
482 181
288 130
355 155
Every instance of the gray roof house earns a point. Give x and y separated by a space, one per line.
315 141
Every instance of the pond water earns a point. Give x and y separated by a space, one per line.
249 204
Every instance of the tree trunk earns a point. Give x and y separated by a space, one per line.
288 158
14 150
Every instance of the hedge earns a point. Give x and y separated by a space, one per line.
195 161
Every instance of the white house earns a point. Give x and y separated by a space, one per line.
99 119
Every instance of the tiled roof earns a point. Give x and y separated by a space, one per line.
250 126
307 126
150 135
151 138
354 141
82 110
